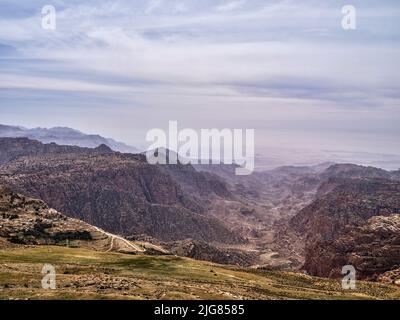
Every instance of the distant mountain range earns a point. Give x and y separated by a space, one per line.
64 136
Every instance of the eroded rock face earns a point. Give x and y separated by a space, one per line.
354 224
350 203
373 249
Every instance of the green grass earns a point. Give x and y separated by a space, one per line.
84 274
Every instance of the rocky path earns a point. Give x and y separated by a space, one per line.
125 242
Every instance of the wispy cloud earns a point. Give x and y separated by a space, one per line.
153 5
229 6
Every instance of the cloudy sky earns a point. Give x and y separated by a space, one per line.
285 68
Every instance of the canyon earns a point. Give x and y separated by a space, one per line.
313 219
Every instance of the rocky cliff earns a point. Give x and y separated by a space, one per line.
373 249
355 223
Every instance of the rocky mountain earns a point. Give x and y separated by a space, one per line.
120 193
14 148
29 221
354 223
64 136
396 174
373 249
304 188
346 171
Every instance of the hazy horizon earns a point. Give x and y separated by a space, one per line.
274 157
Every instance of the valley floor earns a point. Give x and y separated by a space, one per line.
85 274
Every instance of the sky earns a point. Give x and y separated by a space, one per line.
284 68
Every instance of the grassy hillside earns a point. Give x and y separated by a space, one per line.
84 274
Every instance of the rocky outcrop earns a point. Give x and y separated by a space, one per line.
351 225
373 249
392 277
203 251
27 221
350 203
